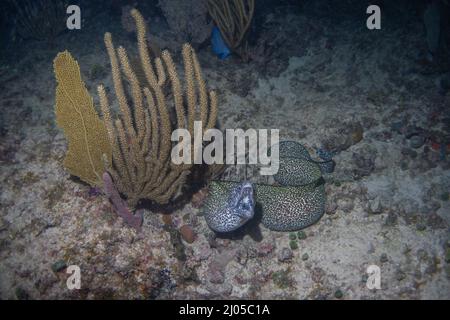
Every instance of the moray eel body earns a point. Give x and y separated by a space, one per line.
283 208
297 167
298 202
291 208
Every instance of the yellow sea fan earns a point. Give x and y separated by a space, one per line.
89 150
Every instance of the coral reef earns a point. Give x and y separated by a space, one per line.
387 201
130 153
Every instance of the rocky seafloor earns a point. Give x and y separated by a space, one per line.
361 94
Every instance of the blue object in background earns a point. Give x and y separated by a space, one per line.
218 45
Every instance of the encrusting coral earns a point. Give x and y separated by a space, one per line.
134 147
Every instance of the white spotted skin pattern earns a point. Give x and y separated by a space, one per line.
225 221
220 211
291 208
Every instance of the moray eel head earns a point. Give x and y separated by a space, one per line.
242 201
229 206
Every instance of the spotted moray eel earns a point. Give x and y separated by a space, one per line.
296 203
